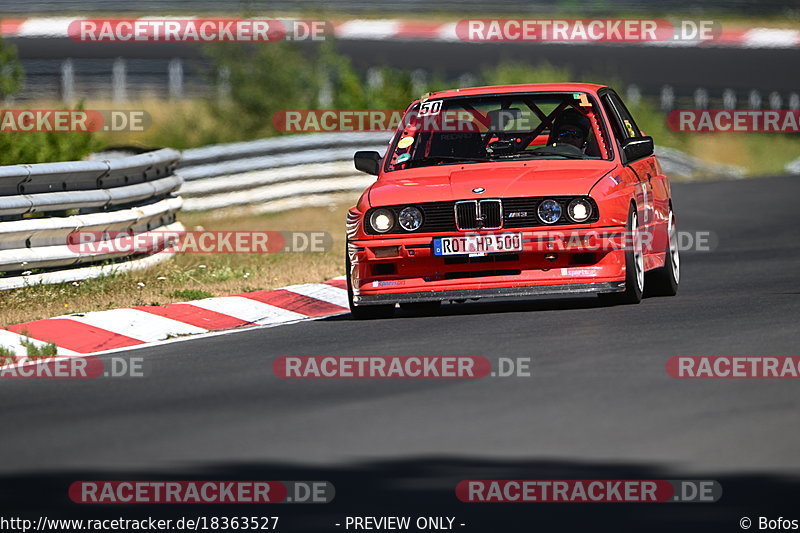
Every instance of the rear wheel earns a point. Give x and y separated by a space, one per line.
634 265
664 281
364 312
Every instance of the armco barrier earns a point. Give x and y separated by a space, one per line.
294 168
41 204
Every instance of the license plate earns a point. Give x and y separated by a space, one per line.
478 244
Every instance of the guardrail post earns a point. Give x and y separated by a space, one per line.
754 99
175 78
419 81
467 80
223 83
67 82
729 99
119 92
701 99
667 98
325 94
374 78
633 95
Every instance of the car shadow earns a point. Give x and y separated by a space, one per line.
424 486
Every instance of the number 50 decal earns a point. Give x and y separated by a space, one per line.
430 108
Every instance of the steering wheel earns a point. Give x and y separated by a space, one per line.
565 149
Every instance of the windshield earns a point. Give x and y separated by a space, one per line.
520 126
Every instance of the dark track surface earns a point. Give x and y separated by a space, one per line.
598 406
684 68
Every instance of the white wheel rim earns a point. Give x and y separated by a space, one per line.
638 256
673 249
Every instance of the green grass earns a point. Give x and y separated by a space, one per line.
191 294
35 351
7 356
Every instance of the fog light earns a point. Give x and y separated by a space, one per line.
386 251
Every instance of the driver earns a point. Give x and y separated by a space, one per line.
571 127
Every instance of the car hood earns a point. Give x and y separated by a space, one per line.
500 180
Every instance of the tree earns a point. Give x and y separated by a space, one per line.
11 73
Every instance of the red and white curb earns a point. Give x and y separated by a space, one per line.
399 29
115 329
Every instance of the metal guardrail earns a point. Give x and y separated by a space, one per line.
793 167
42 204
290 169
681 166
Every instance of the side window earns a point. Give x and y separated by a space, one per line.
629 127
616 124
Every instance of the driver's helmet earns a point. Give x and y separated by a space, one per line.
569 126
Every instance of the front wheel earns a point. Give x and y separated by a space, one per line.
364 312
634 265
664 281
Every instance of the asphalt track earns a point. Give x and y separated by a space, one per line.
599 404
685 68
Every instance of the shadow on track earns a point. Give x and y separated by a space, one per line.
425 487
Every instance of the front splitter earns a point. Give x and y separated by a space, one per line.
502 292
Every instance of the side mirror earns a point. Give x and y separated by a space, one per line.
369 162
637 148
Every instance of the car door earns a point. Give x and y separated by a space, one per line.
644 169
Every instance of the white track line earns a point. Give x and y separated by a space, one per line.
320 291
248 310
136 324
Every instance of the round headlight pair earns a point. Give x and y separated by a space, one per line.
578 210
382 220
549 211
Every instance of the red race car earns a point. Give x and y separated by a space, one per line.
511 191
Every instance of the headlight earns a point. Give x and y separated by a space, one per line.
410 219
579 210
381 220
549 211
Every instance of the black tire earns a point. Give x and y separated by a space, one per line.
664 281
364 312
421 308
634 265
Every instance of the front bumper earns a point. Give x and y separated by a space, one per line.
501 292
404 268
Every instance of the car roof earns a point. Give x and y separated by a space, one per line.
522 88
